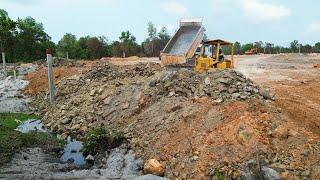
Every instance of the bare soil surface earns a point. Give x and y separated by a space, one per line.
296 82
197 124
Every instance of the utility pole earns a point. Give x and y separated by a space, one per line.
4 63
299 48
50 78
67 55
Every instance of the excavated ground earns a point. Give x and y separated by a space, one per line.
296 82
192 123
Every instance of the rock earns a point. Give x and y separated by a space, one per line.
225 81
285 175
171 93
66 121
270 174
90 159
218 101
244 136
232 90
266 94
107 101
235 95
153 166
281 132
125 106
75 127
149 177
207 81
153 83
92 92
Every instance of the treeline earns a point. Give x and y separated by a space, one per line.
25 40
97 47
270 48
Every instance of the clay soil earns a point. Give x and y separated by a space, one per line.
295 81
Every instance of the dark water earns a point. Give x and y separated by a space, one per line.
72 150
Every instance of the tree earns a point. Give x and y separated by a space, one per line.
96 47
152 32
155 41
67 46
7 33
269 48
31 39
237 48
128 44
294 45
246 47
259 45
306 48
164 37
317 47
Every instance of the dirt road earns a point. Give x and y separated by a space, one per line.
295 81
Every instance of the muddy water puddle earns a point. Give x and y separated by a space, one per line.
71 152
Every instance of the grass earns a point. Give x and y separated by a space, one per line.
100 139
13 120
12 141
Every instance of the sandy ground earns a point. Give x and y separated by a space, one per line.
295 81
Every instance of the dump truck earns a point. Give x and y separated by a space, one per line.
188 49
182 47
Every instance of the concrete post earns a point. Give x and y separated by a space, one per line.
299 49
4 64
14 72
50 78
67 56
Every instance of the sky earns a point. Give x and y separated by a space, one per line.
276 21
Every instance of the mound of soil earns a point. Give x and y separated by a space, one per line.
194 124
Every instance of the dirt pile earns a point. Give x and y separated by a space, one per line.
186 121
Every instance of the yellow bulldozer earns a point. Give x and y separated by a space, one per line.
183 49
215 58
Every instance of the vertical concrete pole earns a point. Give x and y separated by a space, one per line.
67 56
50 78
299 48
14 72
4 64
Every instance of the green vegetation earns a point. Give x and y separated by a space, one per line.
218 174
24 39
12 141
100 139
12 120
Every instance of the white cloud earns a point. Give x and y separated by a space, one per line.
174 7
258 12
253 11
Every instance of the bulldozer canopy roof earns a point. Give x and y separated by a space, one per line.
216 41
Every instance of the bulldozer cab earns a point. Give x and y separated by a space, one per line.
211 56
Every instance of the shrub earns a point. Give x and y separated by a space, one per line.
100 139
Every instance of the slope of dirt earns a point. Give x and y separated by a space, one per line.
194 124
296 83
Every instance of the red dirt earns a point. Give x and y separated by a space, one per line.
39 79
